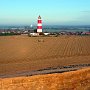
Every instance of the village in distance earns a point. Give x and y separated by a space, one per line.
46 30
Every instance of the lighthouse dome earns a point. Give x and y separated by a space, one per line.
39 17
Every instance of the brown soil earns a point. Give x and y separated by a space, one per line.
23 53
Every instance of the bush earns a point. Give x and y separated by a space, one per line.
9 34
41 33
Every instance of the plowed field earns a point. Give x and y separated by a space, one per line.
23 53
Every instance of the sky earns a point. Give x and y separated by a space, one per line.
53 12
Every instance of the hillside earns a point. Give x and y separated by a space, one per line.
75 80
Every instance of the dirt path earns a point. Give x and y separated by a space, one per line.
49 70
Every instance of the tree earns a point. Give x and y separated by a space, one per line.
35 30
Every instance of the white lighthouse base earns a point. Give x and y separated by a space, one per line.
39 30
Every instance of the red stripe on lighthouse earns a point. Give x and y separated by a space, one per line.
39 27
39 21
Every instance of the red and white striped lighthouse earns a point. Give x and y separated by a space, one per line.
39 25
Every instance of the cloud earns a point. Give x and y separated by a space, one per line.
86 11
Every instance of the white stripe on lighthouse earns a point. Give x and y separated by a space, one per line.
39 24
39 19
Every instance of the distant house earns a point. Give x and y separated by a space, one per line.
34 34
46 34
86 33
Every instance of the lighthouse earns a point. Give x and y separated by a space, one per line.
39 25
